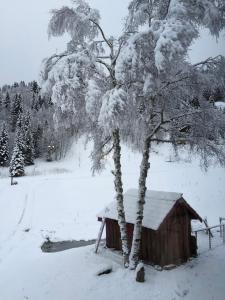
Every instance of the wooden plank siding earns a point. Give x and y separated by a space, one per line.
170 244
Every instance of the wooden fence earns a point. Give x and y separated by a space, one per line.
208 229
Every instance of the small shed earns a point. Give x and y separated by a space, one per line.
166 232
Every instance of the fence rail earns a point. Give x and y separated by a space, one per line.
221 227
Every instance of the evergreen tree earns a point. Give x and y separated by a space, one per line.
35 87
40 108
16 110
4 147
17 162
28 142
22 84
33 101
7 101
16 84
37 138
20 134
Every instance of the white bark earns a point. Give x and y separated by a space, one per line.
119 195
135 249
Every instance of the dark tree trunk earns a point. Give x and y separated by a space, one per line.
145 165
119 195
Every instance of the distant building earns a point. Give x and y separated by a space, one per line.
166 233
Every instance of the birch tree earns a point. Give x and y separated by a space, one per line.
82 80
163 85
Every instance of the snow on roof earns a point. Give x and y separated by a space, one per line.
220 104
157 205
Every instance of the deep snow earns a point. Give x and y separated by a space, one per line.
60 200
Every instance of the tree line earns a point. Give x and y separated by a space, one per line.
27 128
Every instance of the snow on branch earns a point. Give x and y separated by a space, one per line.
113 107
79 22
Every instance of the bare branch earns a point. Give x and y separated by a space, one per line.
118 53
102 33
58 56
183 115
162 141
174 82
104 64
167 9
103 57
162 122
208 60
107 152
107 140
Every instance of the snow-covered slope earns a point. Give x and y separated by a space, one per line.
61 199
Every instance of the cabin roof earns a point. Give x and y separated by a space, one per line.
158 205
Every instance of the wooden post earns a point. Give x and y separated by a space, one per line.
99 235
221 227
210 242
196 236
206 224
224 233
11 180
208 230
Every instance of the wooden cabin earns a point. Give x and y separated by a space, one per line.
166 233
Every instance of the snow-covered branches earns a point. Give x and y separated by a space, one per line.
207 13
112 110
93 99
65 79
175 24
75 21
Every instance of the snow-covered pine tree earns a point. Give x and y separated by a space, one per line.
43 110
162 84
19 139
17 161
28 141
16 110
35 87
16 168
4 147
7 101
66 76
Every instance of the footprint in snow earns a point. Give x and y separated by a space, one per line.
182 293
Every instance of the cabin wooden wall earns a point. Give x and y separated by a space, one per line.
175 238
113 235
171 244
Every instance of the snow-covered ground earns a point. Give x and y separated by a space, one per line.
60 200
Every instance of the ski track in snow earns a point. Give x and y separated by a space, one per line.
19 221
24 209
12 240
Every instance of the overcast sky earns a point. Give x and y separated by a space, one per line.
24 40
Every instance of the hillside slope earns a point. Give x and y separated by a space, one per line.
60 200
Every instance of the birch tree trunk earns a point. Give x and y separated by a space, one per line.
145 165
119 196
